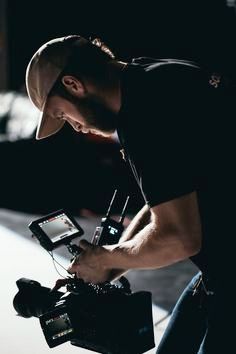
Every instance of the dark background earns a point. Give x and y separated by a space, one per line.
202 30
69 170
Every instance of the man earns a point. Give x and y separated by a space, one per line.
168 116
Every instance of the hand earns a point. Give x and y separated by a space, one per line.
89 265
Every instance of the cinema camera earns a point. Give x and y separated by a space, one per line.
106 318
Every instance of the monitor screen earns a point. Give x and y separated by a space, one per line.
58 227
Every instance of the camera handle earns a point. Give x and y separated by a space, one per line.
108 233
125 283
74 249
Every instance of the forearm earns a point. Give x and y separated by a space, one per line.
172 234
141 219
148 249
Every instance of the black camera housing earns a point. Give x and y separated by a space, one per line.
107 318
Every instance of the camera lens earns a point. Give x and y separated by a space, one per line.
33 299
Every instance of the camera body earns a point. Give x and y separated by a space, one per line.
106 318
96 318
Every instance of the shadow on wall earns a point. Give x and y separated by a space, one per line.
68 170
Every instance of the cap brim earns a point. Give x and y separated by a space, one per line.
48 126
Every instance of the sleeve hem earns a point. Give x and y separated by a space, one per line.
160 200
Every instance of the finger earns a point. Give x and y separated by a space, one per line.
75 260
71 269
59 283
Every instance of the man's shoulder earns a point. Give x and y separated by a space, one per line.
149 63
163 72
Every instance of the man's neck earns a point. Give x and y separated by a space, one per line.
113 96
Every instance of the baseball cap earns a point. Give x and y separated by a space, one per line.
43 71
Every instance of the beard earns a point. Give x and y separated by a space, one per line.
96 115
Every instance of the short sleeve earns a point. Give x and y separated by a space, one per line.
162 138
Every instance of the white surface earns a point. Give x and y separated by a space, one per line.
19 258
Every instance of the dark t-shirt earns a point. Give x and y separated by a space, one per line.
176 129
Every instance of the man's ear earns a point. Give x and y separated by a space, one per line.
73 85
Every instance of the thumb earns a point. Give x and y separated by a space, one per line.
85 245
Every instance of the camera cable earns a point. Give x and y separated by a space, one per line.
56 262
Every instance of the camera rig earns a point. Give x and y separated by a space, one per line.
106 318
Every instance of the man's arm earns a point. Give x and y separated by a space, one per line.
172 234
141 219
